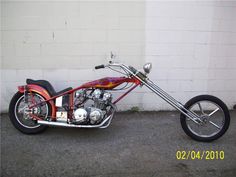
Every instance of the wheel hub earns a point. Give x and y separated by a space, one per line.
205 119
28 111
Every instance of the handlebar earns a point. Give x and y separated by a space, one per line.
99 66
128 69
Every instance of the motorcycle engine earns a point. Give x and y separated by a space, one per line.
80 115
95 112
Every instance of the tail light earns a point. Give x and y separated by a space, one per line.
21 88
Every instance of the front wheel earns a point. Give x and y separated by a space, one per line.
214 115
19 112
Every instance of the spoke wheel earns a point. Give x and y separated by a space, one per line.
19 112
214 115
22 111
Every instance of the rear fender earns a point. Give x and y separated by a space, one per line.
41 91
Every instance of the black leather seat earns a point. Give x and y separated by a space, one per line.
46 85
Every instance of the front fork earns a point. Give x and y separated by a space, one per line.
173 102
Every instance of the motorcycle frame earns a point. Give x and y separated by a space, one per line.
93 85
134 77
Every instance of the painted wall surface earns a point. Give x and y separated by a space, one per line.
192 46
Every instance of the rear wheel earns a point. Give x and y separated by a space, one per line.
214 115
19 112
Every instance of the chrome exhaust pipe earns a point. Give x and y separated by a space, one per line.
61 124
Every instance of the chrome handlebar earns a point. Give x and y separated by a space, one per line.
131 70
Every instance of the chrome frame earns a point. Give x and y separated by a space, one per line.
158 91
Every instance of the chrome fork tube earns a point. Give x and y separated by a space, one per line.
169 99
163 92
177 105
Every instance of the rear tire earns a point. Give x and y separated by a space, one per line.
212 99
15 120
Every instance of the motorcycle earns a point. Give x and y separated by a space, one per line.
37 105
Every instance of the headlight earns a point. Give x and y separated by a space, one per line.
147 68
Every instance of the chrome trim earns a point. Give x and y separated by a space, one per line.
165 96
15 111
147 67
61 124
203 114
112 114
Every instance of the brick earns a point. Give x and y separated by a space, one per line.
54 23
170 49
73 9
8 75
8 49
183 24
227 25
170 36
171 9
10 62
225 12
23 49
23 74
182 62
67 49
223 74
27 36
159 61
180 74
105 22
92 9
138 9
223 50
55 74
80 36
132 49
16 9
158 23
132 23
202 51
128 36
159 73
199 73
59 9
203 24
20 23
85 22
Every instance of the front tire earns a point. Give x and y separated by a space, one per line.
23 122
217 109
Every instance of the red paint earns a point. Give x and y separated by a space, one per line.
122 96
21 89
107 83
41 91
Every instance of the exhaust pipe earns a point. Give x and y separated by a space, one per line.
61 124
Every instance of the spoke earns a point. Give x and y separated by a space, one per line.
217 126
200 107
213 112
21 109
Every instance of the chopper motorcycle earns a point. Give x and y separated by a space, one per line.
37 105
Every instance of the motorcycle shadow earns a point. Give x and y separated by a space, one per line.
83 133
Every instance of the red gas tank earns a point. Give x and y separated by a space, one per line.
107 82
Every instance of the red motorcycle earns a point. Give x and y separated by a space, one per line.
37 105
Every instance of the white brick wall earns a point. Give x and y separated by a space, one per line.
191 44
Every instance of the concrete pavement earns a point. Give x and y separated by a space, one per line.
136 144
